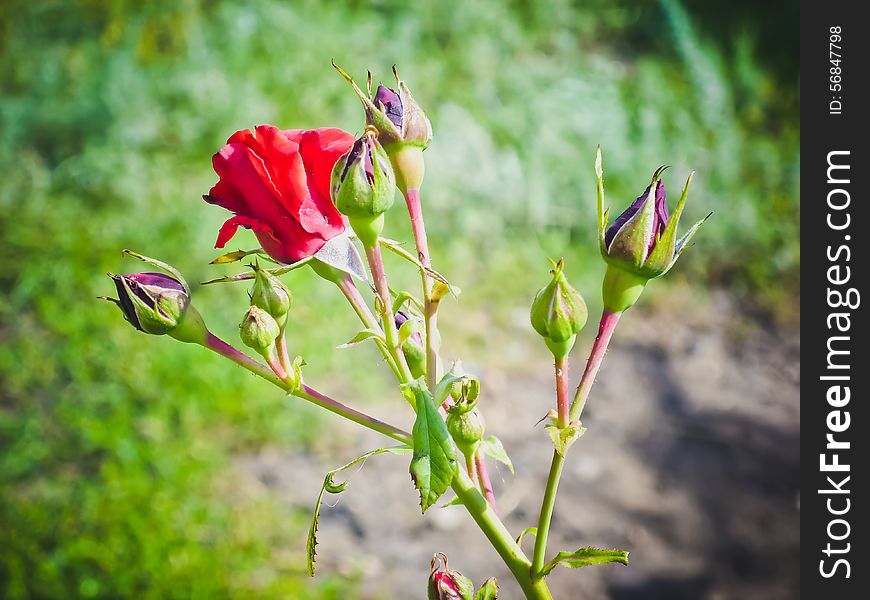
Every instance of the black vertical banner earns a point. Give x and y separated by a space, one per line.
835 182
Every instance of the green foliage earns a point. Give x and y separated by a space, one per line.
584 557
433 465
117 472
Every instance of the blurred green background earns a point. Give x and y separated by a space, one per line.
114 446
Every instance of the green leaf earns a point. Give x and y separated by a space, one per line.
433 465
396 248
362 336
408 328
527 531
584 557
231 257
488 591
493 448
563 437
330 486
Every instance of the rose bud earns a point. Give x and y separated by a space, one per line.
158 304
466 428
259 330
446 584
403 128
278 185
642 243
270 294
413 347
558 313
363 187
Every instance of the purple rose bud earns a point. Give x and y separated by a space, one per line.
152 302
363 186
390 103
158 304
641 243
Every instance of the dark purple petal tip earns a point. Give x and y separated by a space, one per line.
392 104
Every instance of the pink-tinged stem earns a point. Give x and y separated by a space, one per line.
599 348
596 355
415 210
485 483
283 353
305 392
275 364
471 468
382 287
562 402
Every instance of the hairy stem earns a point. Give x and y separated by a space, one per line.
596 356
305 392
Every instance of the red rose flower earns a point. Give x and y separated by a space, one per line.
277 184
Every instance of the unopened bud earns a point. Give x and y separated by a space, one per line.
270 294
558 313
259 330
363 186
445 584
413 346
158 304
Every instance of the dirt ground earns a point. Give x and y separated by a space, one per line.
690 462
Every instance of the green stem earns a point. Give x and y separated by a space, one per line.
546 517
358 303
500 538
596 356
305 392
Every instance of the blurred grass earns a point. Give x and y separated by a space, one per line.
116 476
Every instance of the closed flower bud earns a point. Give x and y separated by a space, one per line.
158 304
270 294
641 244
363 186
402 127
558 313
259 330
445 584
466 428
413 346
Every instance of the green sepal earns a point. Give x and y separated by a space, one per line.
602 214
160 264
434 463
584 557
329 485
630 245
662 256
387 131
